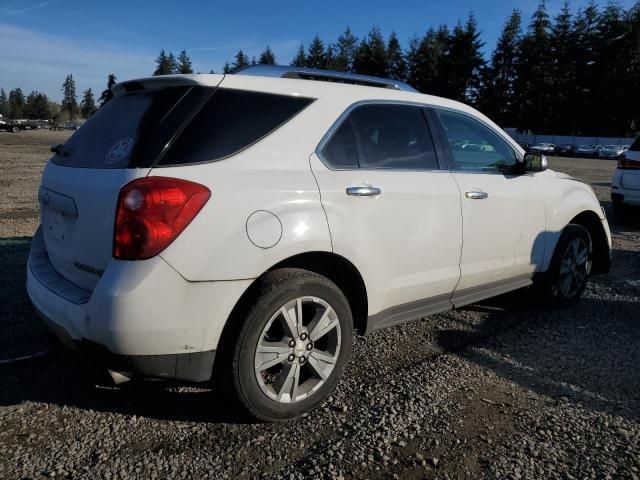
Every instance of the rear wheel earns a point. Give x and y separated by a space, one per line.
570 267
291 345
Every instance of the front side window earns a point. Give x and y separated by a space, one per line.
382 136
474 146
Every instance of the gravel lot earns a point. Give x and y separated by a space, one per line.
501 389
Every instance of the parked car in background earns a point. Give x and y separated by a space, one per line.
625 185
566 150
525 146
589 151
247 224
613 152
545 148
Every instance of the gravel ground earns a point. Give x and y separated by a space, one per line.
502 389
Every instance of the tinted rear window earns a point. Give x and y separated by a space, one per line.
635 146
230 121
125 131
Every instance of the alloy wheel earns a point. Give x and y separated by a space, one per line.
574 268
298 349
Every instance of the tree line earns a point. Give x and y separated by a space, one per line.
577 73
37 106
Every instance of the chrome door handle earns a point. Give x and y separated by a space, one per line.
363 191
476 195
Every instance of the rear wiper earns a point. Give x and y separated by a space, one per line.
60 150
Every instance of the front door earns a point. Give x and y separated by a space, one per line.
502 211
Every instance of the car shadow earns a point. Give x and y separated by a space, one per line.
63 377
586 354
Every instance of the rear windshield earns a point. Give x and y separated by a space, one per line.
230 121
635 146
124 132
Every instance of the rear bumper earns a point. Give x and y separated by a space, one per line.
141 315
620 190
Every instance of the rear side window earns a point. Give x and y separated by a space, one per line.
230 121
340 150
635 146
124 131
383 136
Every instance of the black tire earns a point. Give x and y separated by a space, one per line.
15 129
554 289
237 368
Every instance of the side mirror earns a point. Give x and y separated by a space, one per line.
535 162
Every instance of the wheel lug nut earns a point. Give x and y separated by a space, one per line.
309 346
302 360
292 343
303 336
292 357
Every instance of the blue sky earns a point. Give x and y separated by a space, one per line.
43 40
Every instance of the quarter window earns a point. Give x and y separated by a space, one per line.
230 121
383 136
474 146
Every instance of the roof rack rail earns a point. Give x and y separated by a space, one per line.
283 71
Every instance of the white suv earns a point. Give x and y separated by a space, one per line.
251 222
625 185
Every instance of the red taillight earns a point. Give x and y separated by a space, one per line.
152 212
625 163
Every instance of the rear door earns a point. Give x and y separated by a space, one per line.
503 212
81 183
390 207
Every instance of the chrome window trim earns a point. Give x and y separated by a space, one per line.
345 114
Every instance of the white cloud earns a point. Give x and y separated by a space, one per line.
8 13
37 61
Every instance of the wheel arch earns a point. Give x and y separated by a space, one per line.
601 251
330 265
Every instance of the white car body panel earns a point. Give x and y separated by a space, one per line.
421 238
499 242
626 181
411 250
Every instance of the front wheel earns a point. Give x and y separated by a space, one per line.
293 341
570 267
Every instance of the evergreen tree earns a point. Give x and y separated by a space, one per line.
227 68
4 103
300 60
107 94
534 94
88 104
425 61
183 64
69 99
242 60
330 58
16 103
498 98
316 57
371 57
346 49
37 106
165 64
464 63
396 64
267 57
562 72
